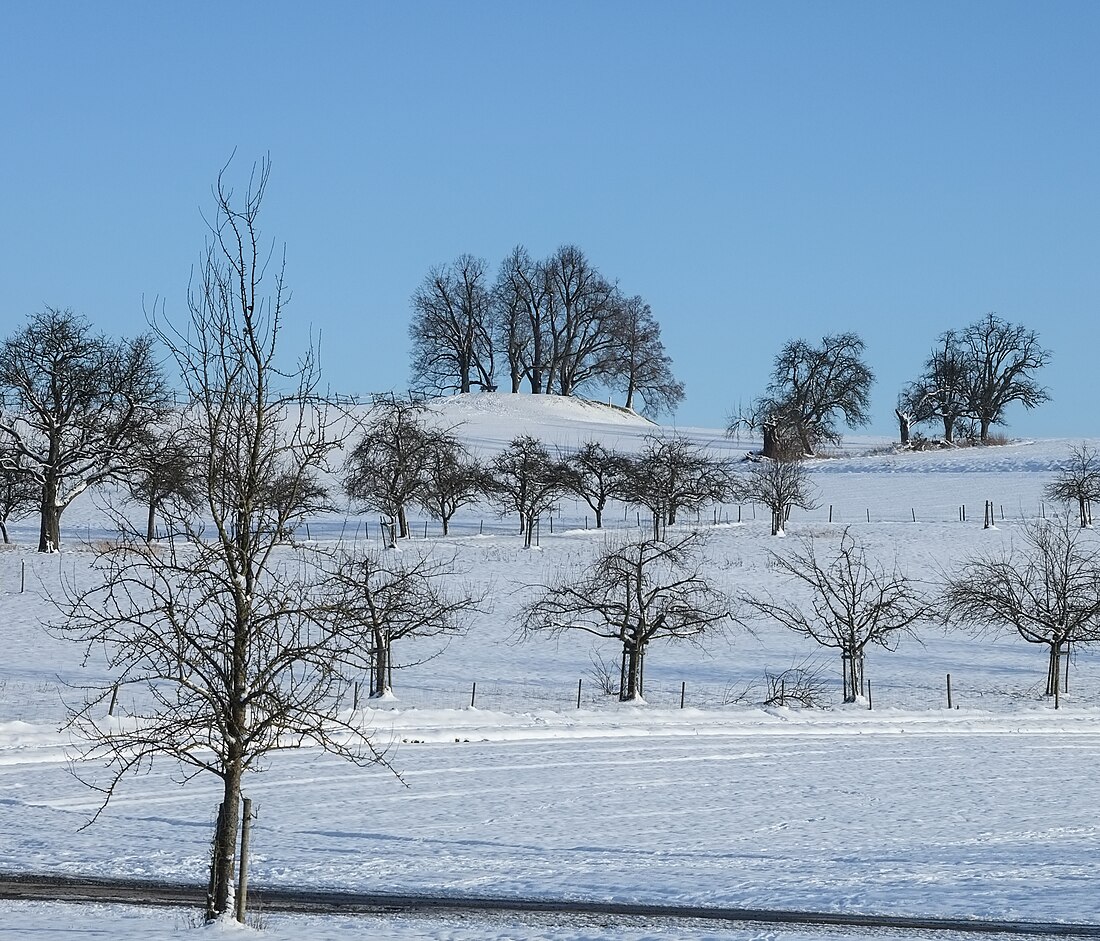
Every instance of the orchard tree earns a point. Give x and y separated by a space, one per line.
671 474
778 485
526 480
854 602
1078 481
1001 360
595 474
230 640
941 393
522 298
20 494
634 593
389 465
81 403
452 328
165 470
453 479
1046 589
810 388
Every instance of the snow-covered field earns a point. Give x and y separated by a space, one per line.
987 810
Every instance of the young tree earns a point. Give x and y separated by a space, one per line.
941 392
810 387
594 474
1046 590
231 643
1001 358
386 598
1078 482
20 493
527 481
671 474
454 479
452 328
81 402
854 602
778 485
635 593
638 364
389 465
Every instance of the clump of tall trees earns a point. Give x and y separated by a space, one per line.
556 325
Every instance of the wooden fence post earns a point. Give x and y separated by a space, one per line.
948 690
246 841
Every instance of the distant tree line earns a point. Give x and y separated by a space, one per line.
968 381
557 326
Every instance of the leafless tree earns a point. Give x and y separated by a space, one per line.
454 479
526 480
1046 589
941 392
20 493
594 474
1078 482
165 470
778 485
637 364
632 592
389 465
809 388
854 601
79 404
522 297
1001 359
670 474
227 638
385 598
452 328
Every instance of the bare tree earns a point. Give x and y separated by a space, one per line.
20 493
671 474
389 465
1078 482
165 470
452 328
1001 358
1046 590
454 479
581 338
80 404
941 392
227 638
527 481
385 598
522 297
632 592
810 387
854 601
778 485
594 474
637 364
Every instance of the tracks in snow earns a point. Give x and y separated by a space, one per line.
329 902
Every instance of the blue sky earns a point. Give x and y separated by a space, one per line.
757 171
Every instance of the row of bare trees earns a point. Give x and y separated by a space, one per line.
1045 589
558 325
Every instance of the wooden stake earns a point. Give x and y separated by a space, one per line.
242 880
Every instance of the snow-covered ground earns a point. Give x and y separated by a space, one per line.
987 810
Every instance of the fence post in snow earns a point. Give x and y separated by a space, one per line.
246 841
473 695
579 693
22 576
683 692
114 699
870 698
914 512
948 690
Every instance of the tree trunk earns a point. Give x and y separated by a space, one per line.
985 423
380 665
1054 671
630 394
49 534
599 517
4 531
151 522
403 521
633 651
853 673
224 858
949 429
904 422
771 440
445 519
528 527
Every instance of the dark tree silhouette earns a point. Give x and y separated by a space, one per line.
941 392
1078 481
778 485
637 364
526 480
594 474
20 493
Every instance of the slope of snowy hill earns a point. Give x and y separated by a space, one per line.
514 787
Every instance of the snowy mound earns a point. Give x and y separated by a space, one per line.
489 420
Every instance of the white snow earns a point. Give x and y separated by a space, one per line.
987 810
